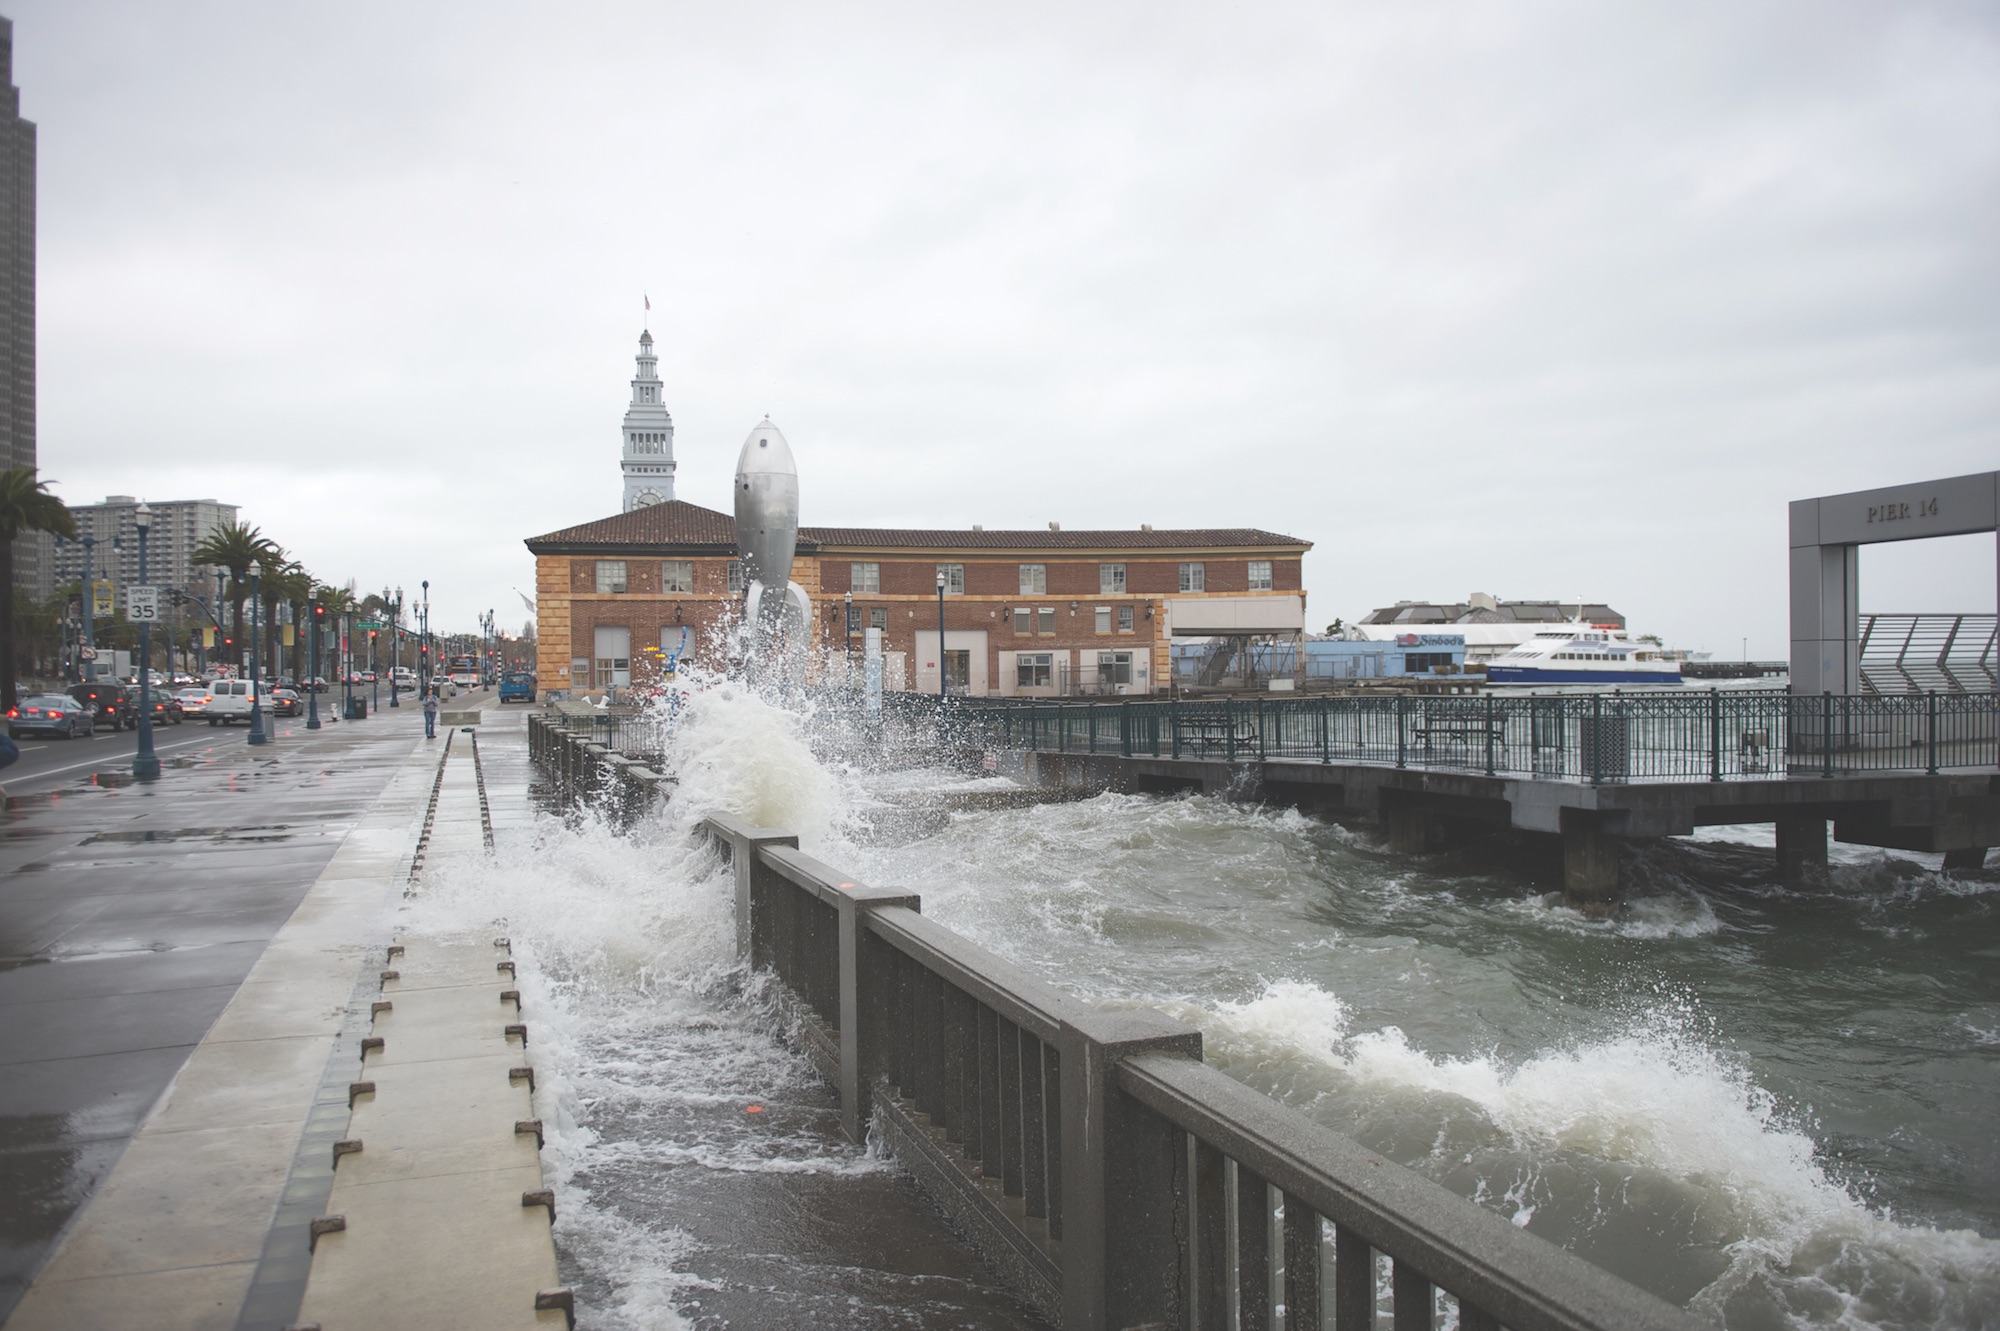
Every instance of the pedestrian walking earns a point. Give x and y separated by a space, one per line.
431 714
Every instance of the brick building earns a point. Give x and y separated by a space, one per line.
1026 613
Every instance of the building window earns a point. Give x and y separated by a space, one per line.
864 579
677 575
1260 575
1114 667
1124 619
1422 663
1024 622
1034 670
1110 579
954 578
1194 577
1034 579
1046 621
1104 619
878 618
735 577
614 657
610 576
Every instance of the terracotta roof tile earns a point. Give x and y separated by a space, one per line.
679 523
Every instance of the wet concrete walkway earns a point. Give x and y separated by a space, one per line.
130 917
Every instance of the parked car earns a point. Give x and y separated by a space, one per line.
286 702
50 714
317 684
167 710
442 686
368 676
193 701
230 700
109 703
517 687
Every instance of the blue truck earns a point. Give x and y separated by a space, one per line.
518 686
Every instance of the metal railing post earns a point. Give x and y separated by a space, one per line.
1326 730
1930 718
1826 732
1174 722
1402 743
1715 734
1596 739
1489 734
1229 728
1261 750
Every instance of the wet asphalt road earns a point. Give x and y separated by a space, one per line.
129 914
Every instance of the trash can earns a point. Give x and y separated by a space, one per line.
357 709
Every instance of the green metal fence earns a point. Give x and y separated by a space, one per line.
1595 738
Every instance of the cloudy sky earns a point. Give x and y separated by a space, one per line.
1535 299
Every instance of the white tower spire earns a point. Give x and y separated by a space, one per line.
649 436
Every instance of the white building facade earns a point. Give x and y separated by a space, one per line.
649 436
179 525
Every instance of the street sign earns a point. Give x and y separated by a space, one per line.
370 624
142 604
87 653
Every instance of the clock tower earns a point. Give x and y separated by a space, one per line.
649 436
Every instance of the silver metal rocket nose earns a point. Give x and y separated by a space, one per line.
767 506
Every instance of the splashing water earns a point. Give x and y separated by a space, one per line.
1773 1107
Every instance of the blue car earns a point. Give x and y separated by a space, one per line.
51 714
517 688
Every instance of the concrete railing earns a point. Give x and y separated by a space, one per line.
586 773
1118 1180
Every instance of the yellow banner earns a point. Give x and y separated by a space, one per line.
288 635
208 637
100 602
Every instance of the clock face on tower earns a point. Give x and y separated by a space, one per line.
645 499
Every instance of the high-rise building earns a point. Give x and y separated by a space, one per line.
649 436
179 525
17 297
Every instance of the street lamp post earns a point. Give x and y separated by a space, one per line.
87 658
940 636
395 645
220 634
347 665
145 763
257 735
847 633
424 665
312 692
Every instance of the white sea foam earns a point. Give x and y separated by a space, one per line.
1656 1098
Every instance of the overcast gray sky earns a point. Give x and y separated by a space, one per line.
1535 299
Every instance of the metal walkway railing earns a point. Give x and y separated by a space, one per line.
1597 738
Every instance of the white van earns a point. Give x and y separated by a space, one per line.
230 699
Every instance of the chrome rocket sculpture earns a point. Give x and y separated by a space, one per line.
777 616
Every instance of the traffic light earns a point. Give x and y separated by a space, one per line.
319 613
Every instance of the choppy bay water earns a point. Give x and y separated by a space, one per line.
1777 1108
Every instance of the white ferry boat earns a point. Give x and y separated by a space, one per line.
1583 654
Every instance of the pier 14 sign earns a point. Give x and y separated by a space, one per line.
1826 539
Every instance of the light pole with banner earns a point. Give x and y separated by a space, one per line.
143 604
395 642
257 734
315 613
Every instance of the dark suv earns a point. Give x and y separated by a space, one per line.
110 703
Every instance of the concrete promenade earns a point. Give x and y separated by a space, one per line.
178 963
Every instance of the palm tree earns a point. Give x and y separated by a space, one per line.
234 546
295 586
337 602
272 566
25 505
